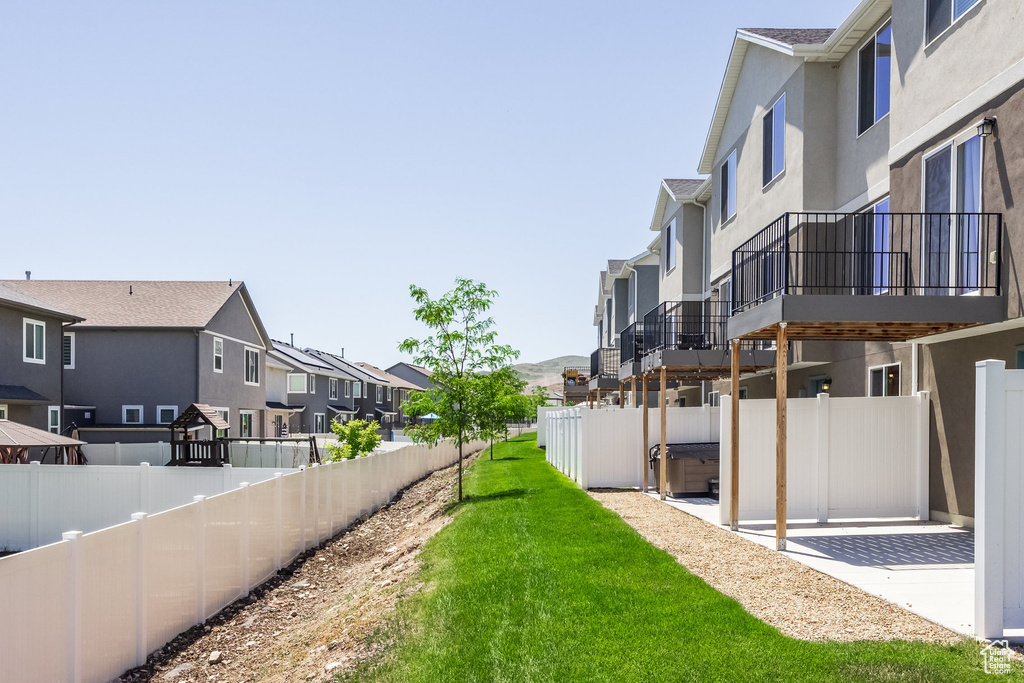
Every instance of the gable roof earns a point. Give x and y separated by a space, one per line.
305 361
344 366
139 304
393 380
678 191
812 45
18 299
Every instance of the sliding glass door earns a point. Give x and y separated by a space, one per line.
950 232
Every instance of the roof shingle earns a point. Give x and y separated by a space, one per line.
683 187
794 36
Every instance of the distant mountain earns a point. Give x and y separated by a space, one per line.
549 372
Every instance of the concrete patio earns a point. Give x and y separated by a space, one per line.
925 567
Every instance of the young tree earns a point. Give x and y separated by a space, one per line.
355 438
497 399
461 345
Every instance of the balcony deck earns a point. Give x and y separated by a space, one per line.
883 277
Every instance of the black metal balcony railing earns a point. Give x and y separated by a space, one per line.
631 344
894 254
605 363
686 325
576 378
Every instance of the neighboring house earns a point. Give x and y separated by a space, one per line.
316 389
277 421
32 360
147 350
414 374
365 390
395 394
859 182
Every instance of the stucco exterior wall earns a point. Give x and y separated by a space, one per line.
42 378
929 79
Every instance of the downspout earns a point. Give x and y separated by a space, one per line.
196 332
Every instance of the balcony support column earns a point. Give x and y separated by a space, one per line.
622 394
663 461
643 450
734 457
781 356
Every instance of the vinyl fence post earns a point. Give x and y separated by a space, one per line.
75 606
141 591
329 467
33 507
302 503
823 445
117 453
200 539
316 503
277 455
921 438
278 518
989 497
144 487
226 483
244 558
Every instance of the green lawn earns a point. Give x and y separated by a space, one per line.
534 581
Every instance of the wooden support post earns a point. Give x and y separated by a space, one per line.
622 394
781 355
590 398
734 456
643 451
663 469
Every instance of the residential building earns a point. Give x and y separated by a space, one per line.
32 360
395 394
315 390
414 374
366 390
143 351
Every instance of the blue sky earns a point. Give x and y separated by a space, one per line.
330 154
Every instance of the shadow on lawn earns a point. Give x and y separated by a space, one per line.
497 495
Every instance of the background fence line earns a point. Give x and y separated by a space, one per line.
92 605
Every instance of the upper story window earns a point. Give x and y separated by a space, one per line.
380 394
218 354
332 389
165 415
296 383
131 415
252 366
312 384
874 65
728 188
774 125
669 240
942 13
357 389
348 389
35 341
69 351
391 395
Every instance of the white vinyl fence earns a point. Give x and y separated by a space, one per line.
845 458
998 512
602 448
242 454
542 424
89 607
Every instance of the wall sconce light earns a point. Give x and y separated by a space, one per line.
986 127
826 385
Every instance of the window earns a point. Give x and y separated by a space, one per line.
296 382
874 79
35 341
165 414
728 188
669 240
3 412
369 417
68 351
218 354
348 389
318 423
226 416
380 394
252 366
743 393
874 237
357 387
942 13
53 419
391 395
774 126
131 415
312 384
714 399
1020 366
332 389
884 380
951 232
246 420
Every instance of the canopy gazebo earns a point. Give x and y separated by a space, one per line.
16 439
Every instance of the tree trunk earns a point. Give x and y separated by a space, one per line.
460 464
492 448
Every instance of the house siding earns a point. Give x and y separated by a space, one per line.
44 379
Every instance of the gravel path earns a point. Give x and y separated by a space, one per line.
324 614
799 601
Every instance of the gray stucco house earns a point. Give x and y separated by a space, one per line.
317 391
141 352
31 360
